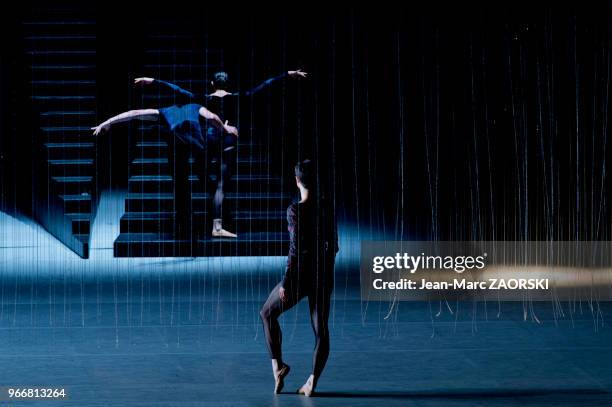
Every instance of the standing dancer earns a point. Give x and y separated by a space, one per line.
183 121
309 272
224 156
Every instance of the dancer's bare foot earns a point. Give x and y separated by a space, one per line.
280 378
223 233
307 388
218 230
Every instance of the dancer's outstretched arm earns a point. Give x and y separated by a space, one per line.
172 86
140 114
292 74
217 122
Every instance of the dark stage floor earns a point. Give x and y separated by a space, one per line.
163 332
143 353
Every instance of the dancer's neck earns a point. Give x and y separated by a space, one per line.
304 193
220 93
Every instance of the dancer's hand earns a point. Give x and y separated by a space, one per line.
282 294
143 81
101 128
297 74
230 129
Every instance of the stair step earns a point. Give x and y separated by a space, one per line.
158 222
231 195
61 102
172 50
48 99
57 118
62 82
239 183
62 97
64 150
76 203
67 133
69 145
69 137
63 52
72 185
164 178
60 38
160 142
71 161
155 144
73 179
169 51
63 67
59 22
154 148
163 245
68 113
64 28
65 129
159 165
59 72
246 215
61 86
164 202
48 57
164 160
81 223
71 167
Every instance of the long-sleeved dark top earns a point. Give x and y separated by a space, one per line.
183 117
313 242
177 89
190 95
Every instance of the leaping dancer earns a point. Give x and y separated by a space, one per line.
183 121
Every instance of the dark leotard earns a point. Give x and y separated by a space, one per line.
184 119
184 122
309 273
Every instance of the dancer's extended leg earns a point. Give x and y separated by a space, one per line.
270 312
225 164
319 303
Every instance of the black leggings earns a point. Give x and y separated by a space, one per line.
319 304
224 162
221 160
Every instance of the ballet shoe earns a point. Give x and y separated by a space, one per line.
307 388
280 378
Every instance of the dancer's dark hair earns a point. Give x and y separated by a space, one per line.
306 172
220 79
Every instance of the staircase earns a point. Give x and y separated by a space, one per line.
61 51
255 199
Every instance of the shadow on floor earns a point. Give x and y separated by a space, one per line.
458 394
